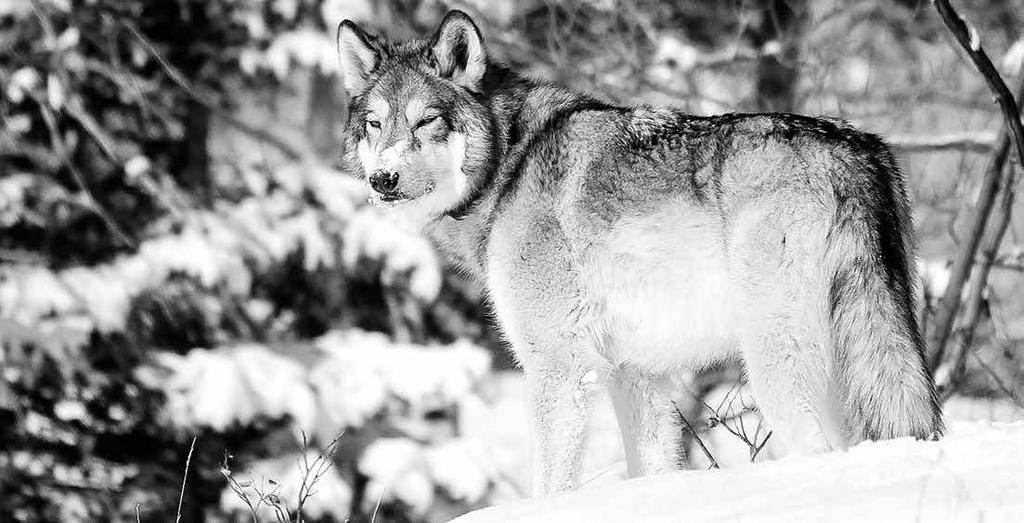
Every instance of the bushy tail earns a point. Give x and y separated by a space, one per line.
884 383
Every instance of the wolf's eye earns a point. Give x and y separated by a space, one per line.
373 124
427 121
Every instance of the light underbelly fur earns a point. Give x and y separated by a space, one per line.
662 288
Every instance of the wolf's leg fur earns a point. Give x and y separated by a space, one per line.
561 401
562 375
782 329
792 387
551 323
647 419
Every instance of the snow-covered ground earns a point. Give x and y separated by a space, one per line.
976 473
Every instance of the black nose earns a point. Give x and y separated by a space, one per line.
384 182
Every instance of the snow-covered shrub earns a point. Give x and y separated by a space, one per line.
400 253
348 379
234 386
352 380
462 468
406 471
158 284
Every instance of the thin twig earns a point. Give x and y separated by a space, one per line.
184 478
373 517
739 429
58 145
700 442
1006 389
313 472
757 450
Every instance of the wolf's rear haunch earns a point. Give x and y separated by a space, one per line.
627 246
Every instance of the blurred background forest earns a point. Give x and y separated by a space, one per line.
188 280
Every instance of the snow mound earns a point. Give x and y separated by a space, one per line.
973 474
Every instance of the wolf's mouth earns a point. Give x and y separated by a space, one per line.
400 196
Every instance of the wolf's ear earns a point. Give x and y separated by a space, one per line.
358 54
459 51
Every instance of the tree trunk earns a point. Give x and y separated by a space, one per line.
778 73
196 174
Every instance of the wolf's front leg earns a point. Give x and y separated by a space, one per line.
544 312
561 397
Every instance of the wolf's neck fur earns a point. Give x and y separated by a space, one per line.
523 110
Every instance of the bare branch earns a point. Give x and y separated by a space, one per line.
1006 389
700 442
50 119
970 141
963 336
970 41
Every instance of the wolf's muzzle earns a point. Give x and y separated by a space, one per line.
384 182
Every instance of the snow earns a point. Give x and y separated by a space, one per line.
401 469
348 395
973 474
334 11
671 57
975 38
137 166
462 468
934 275
425 378
22 82
856 74
16 8
1013 58
54 92
307 47
221 388
397 471
215 247
356 376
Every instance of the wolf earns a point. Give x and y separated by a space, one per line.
622 247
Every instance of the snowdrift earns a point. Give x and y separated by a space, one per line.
976 473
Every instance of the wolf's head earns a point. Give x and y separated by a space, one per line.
419 127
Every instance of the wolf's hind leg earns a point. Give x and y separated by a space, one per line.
792 388
648 422
781 327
